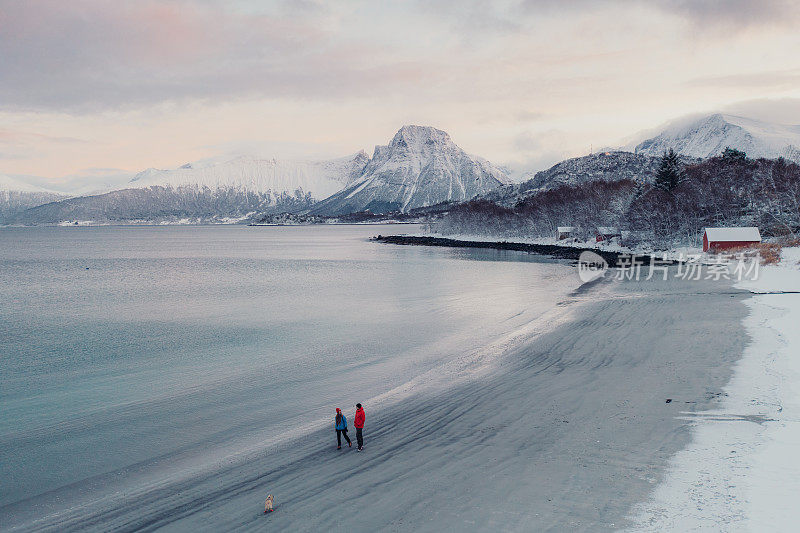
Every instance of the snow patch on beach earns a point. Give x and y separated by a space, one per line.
740 472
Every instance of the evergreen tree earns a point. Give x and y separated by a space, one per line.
732 155
669 174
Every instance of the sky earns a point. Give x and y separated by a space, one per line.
95 90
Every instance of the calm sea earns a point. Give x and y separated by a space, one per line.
125 350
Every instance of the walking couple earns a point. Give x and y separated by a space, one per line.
340 423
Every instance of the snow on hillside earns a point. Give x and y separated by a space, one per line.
213 191
694 138
603 166
709 135
421 166
7 183
318 178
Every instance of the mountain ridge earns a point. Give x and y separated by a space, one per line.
319 178
420 167
602 166
708 135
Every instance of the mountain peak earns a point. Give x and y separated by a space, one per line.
708 135
417 136
420 167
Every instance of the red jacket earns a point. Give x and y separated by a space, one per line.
358 421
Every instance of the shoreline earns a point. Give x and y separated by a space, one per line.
64 503
550 250
522 439
738 471
570 429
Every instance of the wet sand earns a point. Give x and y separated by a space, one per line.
568 432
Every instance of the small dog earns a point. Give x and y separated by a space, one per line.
268 504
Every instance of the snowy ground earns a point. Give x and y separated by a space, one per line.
741 471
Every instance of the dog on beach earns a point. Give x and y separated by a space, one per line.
268 504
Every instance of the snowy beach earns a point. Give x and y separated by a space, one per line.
740 473
567 429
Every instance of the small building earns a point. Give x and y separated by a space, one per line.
607 233
715 239
565 232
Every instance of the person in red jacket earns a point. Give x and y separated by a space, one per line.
358 422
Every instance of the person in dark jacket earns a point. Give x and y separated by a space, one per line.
358 422
340 424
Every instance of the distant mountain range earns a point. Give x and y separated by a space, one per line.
211 192
420 167
693 138
318 179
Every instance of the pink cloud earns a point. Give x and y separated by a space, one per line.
85 55
57 53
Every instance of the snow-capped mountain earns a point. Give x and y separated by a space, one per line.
17 196
693 138
421 166
709 135
604 166
208 192
319 179
156 204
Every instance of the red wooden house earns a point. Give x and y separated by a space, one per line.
715 239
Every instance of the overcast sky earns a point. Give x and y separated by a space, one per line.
95 88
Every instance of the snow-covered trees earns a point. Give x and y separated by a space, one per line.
725 191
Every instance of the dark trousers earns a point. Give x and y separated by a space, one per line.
359 438
339 433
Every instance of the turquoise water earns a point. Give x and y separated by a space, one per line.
124 350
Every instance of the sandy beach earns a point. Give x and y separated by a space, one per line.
568 431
